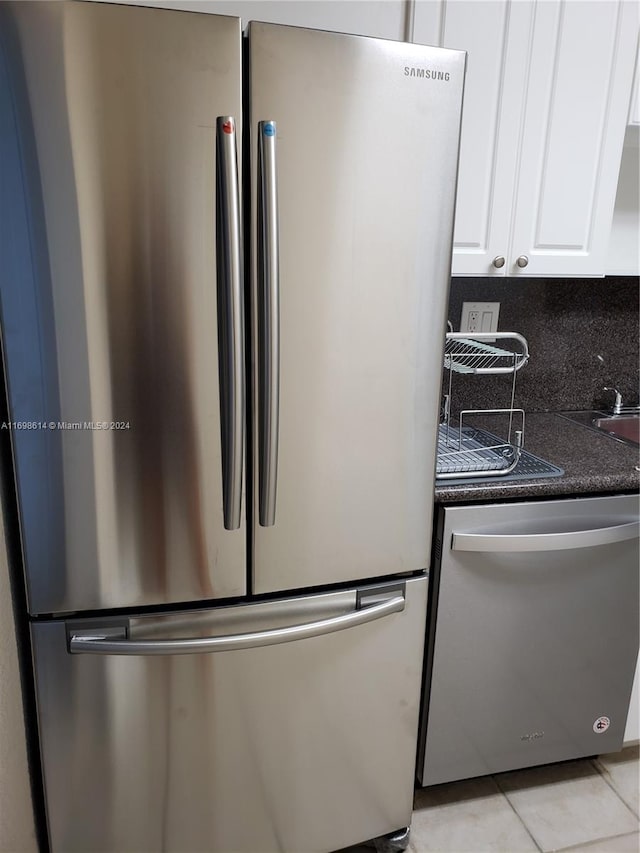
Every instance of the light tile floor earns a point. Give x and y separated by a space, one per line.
591 805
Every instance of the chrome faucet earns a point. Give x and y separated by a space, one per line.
617 406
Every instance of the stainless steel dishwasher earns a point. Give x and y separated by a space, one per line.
532 635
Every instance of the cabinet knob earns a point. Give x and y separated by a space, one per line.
498 262
522 261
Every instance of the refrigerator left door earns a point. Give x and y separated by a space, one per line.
122 301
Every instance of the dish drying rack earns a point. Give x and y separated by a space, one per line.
462 449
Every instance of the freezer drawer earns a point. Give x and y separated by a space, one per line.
307 745
534 637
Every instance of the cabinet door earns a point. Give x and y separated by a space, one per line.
580 70
493 34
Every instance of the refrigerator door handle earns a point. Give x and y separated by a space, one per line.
268 324
231 321
495 542
93 642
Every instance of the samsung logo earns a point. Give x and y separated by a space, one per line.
532 736
426 73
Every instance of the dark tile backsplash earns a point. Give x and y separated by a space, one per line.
567 323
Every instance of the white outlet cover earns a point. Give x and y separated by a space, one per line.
479 317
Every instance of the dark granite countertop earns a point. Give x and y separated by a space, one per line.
593 463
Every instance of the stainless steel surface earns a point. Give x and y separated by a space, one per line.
116 107
627 427
499 262
617 406
529 650
268 324
522 261
106 645
624 427
495 542
410 14
189 753
395 842
231 305
365 222
130 115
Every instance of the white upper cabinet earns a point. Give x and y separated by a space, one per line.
581 71
491 33
546 102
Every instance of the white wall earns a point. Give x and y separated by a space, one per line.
380 18
17 832
632 729
623 257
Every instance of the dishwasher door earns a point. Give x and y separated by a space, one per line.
533 635
152 742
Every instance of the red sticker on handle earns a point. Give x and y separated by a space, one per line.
228 126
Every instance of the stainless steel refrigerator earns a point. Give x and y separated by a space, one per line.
225 275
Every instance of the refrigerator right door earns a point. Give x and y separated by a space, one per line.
354 150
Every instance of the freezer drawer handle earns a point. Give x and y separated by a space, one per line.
268 324
230 321
94 644
492 542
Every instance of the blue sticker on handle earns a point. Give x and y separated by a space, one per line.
269 129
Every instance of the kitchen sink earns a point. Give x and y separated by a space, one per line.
623 427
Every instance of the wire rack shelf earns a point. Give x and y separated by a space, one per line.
460 452
480 355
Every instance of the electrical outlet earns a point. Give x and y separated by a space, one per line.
479 317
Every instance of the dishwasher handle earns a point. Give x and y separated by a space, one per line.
497 542
94 643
